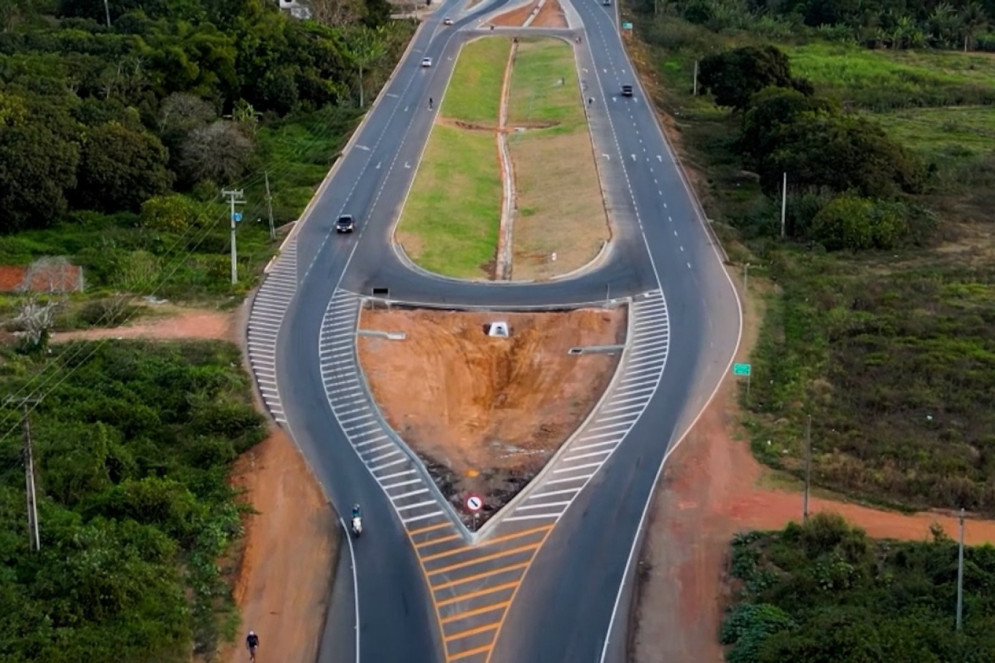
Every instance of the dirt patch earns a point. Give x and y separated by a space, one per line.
284 575
550 16
466 126
485 413
514 18
711 488
560 208
185 323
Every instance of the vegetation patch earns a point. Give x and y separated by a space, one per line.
452 216
559 204
115 142
824 591
474 93
878 326
132 446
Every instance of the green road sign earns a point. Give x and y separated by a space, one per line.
740 369
626 25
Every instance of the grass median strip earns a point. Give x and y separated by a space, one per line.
560 207
451 219
450 222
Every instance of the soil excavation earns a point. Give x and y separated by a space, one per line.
485 413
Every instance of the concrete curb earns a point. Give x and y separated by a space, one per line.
565 448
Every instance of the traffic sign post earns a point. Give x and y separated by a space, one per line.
743 369
474 503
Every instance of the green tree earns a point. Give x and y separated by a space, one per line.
734 76
367 47
851 222
171 213
839 153
771 109
120 168
37 168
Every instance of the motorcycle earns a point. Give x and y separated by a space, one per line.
357 526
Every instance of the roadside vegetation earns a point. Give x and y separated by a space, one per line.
132 446
559 204
450 221
824 591
881 293
115 142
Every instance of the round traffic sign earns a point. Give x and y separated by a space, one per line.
474 503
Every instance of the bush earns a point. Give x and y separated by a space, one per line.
855 223
748 626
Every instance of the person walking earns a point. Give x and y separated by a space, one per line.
252 644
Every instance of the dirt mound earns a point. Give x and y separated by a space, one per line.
488 411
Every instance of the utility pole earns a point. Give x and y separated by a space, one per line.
808 465
34 540
694 92
746 277
960 573
269 204
107 12
234 196
784 201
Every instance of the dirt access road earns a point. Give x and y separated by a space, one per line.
486 414
282 568
711 488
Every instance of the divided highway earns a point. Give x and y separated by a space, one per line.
566 605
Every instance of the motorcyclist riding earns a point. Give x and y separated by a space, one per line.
357 522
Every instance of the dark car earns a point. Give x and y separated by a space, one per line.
345 224
626 90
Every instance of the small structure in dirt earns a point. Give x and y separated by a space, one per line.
499 329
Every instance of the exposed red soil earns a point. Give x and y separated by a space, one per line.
488 413
550 16
514 18
186 324
284 575
711 489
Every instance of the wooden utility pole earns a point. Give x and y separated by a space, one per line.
34 540
960 574
269 204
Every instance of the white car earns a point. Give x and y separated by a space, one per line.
447 21
426 62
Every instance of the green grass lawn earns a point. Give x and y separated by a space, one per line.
943 133
451 220
544 86
474 93
882 79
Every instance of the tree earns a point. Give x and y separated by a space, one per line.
851 222
336 13
366 47
734 76
172 213
839 153
37 167
120 168
219 151
771 109
974 20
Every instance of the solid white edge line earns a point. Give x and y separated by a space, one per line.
355 581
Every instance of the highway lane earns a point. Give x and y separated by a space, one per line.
567 602
396 621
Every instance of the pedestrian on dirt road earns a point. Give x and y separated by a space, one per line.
252 644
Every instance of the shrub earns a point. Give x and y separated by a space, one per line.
855 223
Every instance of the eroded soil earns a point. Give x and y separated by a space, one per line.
550 16
485 413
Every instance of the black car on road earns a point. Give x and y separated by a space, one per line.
345 224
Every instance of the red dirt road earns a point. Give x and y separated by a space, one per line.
285 572
186 324
710 489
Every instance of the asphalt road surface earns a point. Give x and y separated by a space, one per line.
566 606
